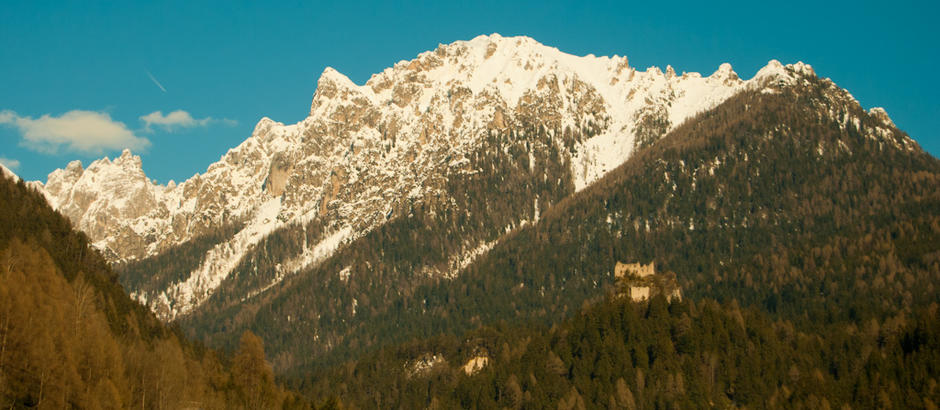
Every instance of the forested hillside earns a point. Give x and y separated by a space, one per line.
71 338
795 201
619 354
805 234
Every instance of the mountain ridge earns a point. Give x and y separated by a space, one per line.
368 153
761 172
447 234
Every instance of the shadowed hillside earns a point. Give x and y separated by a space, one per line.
71 338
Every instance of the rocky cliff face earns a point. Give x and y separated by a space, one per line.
367 154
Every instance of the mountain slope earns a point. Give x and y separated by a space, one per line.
736 201
621 355
815 224
369 154
71 337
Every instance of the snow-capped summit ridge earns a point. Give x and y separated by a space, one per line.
263 125
334 89
775 69
128 160
331 75
725 71
882 115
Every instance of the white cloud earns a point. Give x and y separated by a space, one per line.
11 164
178 119
88 132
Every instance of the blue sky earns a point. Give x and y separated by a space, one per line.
218 67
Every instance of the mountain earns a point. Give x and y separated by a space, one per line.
367 223
739 202
803 231
372 153
499 183
71 338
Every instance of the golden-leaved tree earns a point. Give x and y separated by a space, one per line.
71 338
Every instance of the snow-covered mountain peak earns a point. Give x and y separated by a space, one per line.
670 72
332 83
267 130
127 165
102 176
330 75
102 198
509 66
775 74
881 115
263 125
773 65
335 90
802 68
724 72
74 166
128 160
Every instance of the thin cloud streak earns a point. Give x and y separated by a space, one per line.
154 79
